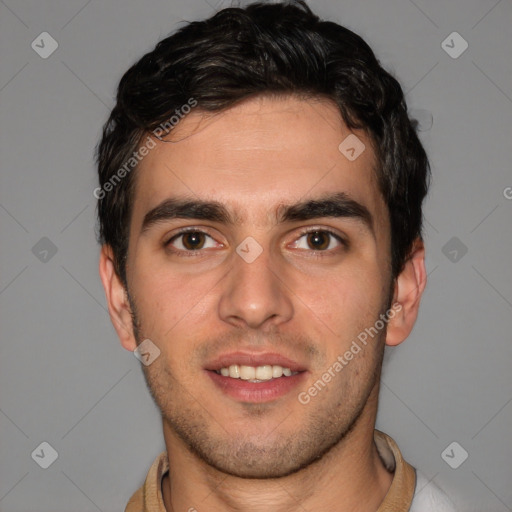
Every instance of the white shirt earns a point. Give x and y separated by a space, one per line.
428 497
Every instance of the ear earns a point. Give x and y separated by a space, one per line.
409 286
117 299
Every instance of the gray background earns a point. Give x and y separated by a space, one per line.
65 379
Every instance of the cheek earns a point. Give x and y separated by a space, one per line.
343 299
170 302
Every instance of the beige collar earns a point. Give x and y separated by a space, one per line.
401 492
398 498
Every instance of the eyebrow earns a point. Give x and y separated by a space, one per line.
337 205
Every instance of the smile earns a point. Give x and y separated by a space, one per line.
255 373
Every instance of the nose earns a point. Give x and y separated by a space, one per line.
254 295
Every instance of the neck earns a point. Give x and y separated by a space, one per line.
349 478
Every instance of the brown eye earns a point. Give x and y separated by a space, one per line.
193 240
189 241
321 240
318 240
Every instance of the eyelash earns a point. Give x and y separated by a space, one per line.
320 253
180 252
198 252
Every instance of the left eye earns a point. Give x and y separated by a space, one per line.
317 241
192 241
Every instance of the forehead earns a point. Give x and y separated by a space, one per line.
256 156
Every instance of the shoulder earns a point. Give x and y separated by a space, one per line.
428 497
136 502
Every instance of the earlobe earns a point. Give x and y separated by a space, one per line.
409 287
117 299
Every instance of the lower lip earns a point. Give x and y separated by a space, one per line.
256 392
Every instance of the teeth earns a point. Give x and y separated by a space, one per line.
247 372
255 373
264 372
277 371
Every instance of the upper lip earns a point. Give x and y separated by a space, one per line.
248 358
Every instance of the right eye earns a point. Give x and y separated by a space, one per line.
191 241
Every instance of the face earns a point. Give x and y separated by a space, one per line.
255 242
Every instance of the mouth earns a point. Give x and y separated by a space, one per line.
255 378
255 373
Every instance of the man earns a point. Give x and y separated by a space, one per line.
260 214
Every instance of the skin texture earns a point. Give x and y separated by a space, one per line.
296 299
